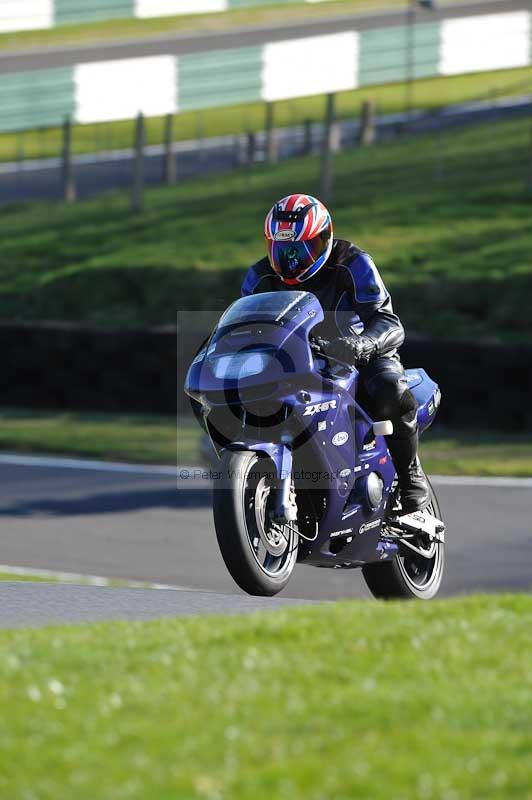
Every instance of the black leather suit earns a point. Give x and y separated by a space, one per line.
356 301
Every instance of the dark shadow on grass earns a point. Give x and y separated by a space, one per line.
125 296
438 303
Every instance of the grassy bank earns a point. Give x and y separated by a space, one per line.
447 219
430 94
342 700
153 440
127 437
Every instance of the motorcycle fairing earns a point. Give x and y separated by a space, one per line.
259 323
345 531
322 427
427 394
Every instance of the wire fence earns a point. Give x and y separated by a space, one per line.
46 141
437 155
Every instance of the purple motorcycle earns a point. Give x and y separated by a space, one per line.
303 473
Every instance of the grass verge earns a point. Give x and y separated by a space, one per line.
152 440
35 575
339 700
429 94
126 437
23 578
110 30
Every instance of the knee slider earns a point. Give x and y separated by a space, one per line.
408 406
408 401
387 397
393 399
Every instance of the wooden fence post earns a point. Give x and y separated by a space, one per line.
170 166
69 184
330 144
271 136
307 137
20 147
251 148
530 156
200 136
367 124
137 198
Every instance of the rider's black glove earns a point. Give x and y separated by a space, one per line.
352 349
319 344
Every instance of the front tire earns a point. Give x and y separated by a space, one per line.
259 555
409 575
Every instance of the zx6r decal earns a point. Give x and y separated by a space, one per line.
315 407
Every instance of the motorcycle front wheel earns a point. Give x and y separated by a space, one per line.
410 575
259 554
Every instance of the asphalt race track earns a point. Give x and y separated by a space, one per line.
180 44
38 604
141 526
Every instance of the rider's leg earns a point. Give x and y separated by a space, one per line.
385 383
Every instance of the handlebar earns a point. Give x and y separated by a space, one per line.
317 348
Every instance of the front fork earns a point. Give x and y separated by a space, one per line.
285 501
285 507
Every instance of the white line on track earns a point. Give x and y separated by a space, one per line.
84 464
199 473
471 480
91 580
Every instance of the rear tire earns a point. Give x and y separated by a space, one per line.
409 575
259 556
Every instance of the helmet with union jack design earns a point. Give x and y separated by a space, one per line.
299 237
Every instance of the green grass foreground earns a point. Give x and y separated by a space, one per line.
447 220
345 700
430 94
163 440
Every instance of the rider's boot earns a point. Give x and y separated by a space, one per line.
414 492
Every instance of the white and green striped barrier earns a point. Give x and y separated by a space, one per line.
23 15
157 85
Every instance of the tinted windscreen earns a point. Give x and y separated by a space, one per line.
275 306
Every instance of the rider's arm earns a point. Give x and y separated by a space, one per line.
383 332
258 278
384 328
249 283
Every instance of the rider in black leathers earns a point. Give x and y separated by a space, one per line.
362 329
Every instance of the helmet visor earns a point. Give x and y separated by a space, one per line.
291 260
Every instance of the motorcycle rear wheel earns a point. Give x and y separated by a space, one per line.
259 555
409 575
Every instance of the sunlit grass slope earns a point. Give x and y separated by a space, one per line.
447 221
